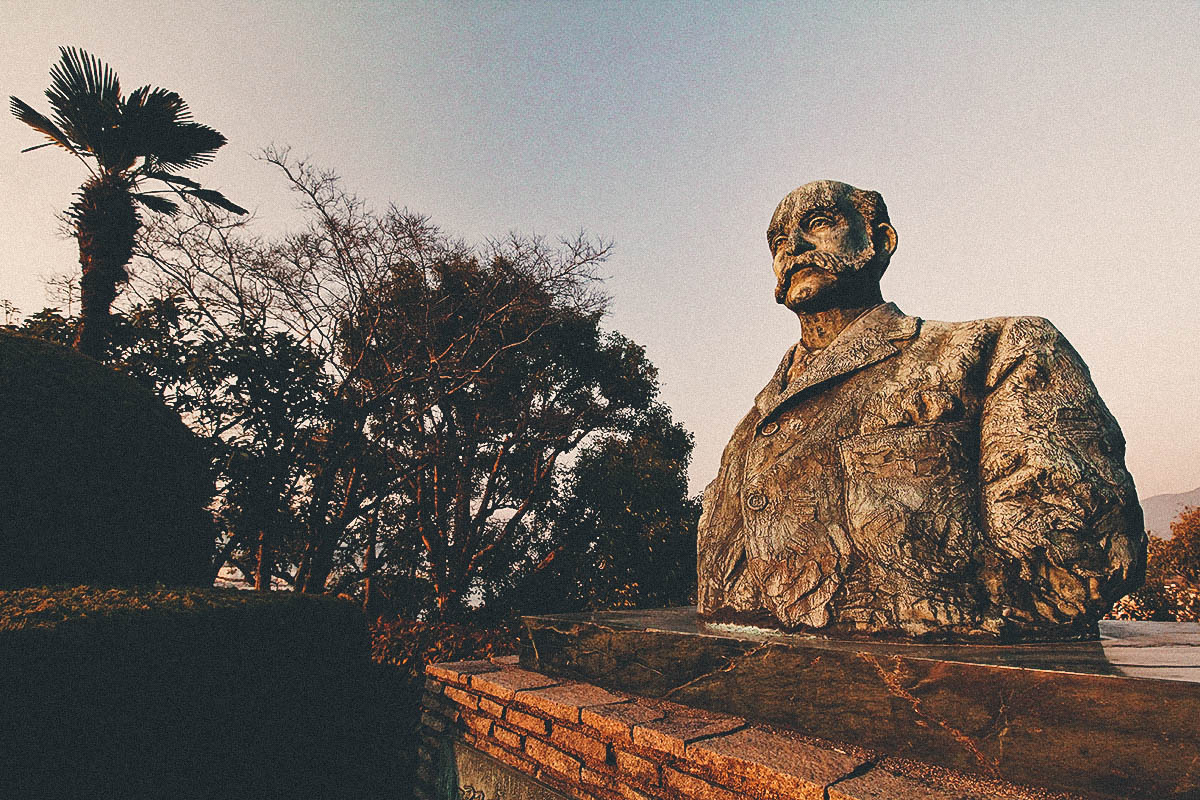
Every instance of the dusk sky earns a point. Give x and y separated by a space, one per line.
1037 158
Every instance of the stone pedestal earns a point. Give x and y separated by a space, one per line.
494 731
1115 718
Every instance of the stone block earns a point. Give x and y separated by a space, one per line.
526 722
508 737
587 747
506 661
565 700
478 724
514 760
615 721
491 707
693 788
457 673
464 699
642 770
433 722
564 764
630 793
505 683
680 726
771 761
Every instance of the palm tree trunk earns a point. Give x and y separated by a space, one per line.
106 226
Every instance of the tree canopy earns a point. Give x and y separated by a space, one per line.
433 426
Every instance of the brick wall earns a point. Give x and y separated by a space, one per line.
593 744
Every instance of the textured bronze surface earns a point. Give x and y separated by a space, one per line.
905 477
1109 718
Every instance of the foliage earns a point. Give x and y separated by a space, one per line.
100 482
404 648
124 141
411 646
1180 555
395 415
626 525
483 370
1172 589
455 379
150 692
50 607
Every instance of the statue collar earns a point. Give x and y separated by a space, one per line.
867 340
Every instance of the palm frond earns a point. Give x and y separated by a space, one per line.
86 95
156 203
40 123
169 178
158 106
215 198
182 146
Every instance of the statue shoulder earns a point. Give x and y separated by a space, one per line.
1005 334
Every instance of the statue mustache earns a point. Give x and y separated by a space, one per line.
826 262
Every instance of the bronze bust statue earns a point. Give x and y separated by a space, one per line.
906 477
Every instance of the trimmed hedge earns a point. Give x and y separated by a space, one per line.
99 481
153 692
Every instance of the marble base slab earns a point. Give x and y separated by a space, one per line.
1115 718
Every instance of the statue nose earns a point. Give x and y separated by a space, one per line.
800 245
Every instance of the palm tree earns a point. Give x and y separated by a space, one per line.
123 141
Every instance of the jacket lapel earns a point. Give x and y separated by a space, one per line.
865 341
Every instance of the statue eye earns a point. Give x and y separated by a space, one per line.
819 221
778 242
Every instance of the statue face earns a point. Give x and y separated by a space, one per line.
824 253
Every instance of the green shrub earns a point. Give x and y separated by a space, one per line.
152 692
100 483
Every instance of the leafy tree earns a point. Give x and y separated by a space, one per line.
123 140
1181 553
485 369
1172 588
626 527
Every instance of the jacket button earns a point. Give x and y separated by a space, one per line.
756 501
769 428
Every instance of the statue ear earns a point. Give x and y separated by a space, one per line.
885 238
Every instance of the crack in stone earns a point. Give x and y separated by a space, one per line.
861 769
892 682
729 667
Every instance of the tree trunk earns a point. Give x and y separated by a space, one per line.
106 226
368 573
262 565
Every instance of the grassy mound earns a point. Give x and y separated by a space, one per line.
152 692
100 483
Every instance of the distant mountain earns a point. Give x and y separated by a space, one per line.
1162 509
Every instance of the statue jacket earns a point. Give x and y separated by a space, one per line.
922 477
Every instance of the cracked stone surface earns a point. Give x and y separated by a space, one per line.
906 477
755 758
989 710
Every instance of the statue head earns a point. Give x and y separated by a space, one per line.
831 244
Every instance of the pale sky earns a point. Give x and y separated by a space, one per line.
1037 158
